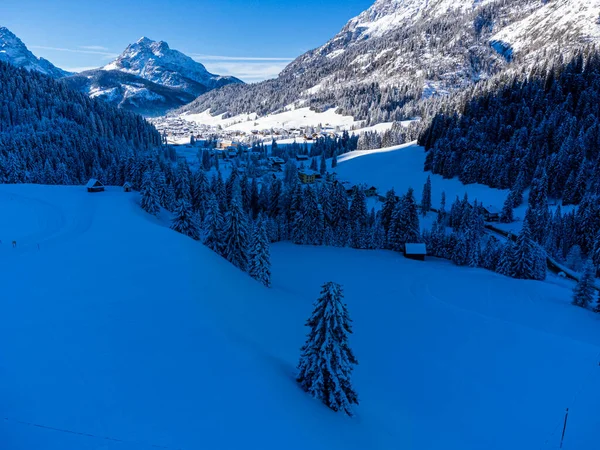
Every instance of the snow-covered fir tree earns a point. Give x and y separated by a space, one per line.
426 197
326 361
236 230
213 226
259 265
150 202
184 220
584 294
526 258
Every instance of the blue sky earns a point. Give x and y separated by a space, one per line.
253 40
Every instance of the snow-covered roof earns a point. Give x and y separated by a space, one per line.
308 172
492 209
93 182
415 249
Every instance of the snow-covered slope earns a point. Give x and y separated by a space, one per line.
401 167
403 50
15 52
109 346
556 25
156 62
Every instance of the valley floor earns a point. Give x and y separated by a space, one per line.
118 333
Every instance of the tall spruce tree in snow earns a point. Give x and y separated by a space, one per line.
404 227
525 256
149 195
213 225
584 292
506 216
260 258
184 220
334 160
326 361
323 165
505 264
236 231
426 198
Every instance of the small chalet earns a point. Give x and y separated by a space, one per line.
94 186
301 157
127 187
371 191
276 161
307 176
491 213
415 251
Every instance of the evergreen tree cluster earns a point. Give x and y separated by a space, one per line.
535 125
459 236
50 134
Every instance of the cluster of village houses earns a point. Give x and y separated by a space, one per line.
176 129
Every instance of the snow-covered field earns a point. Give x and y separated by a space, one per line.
118 333
401 167
292 118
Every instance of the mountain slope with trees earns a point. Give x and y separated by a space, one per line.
50 134
402 51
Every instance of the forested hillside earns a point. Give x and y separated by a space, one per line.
533 130
51 134
545 120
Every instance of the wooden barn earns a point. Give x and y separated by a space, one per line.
491 213
415 251
94 186
127 187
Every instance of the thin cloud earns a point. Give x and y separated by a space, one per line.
199 57
98 48
77 50
79 69
250 72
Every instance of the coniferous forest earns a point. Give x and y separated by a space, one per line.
50 134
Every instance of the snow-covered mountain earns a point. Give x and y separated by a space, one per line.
398 51
156 62
149 78
15 52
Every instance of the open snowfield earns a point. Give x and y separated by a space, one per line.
292 118
401 167
118 333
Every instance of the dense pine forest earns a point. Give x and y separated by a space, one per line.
50 134
535 130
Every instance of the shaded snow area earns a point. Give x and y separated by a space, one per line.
401 167
118 333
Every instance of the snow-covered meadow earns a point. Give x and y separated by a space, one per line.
119 333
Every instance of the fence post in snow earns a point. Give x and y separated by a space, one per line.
562 438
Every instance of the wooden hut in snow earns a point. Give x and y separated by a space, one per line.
127 187
415 251
94 186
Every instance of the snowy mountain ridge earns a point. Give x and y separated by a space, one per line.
400 51
149 78
157 62
15 52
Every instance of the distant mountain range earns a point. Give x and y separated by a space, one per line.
148 77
